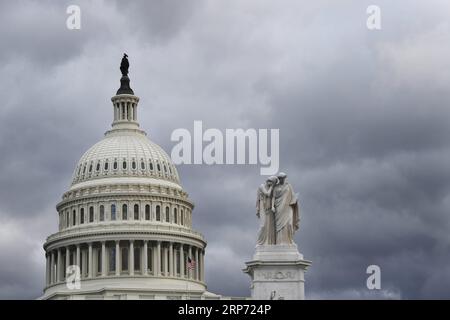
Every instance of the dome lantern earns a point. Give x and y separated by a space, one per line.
125 102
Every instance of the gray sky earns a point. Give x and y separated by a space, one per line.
363 115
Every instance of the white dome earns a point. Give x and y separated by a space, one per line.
126 221
125 154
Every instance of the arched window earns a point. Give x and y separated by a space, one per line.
124 165
147 212
133 165
98 166
124 259
91 214
158 213
74 217
115 165
124 212
159 167
167 214
175 215
106 165
182 217
113 212
151 166
165 168
102 213
90 168
67 219
84 169
142 165
82 215
136 212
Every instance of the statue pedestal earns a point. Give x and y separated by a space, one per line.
277 273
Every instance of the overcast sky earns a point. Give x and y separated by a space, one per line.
363 115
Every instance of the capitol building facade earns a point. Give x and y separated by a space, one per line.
125 221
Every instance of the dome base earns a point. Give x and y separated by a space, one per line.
127 287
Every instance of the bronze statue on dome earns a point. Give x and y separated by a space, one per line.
124 65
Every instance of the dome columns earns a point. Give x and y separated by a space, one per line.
125 111
102 259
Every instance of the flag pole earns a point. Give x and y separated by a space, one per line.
187 284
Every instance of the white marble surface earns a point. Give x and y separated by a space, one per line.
277 272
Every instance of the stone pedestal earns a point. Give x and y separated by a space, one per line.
277 273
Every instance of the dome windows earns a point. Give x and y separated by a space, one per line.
137 259
99 261
136 212
102 213
167 214
113 212
147 212
124 212
175 216
124 259
82 216
91 214
181 217
158 213
112 258
142 157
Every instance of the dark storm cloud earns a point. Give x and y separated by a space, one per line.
363 119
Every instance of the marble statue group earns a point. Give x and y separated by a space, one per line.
277 209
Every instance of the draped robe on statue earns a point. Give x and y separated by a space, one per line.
267 220
286 214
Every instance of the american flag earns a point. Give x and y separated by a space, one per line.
190 263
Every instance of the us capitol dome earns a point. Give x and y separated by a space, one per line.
125 221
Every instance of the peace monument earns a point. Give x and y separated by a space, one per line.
277 268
